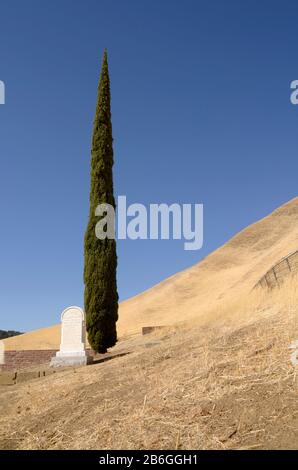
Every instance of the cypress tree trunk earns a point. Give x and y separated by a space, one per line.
101 297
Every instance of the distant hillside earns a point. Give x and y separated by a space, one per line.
224 379
199 292
7 334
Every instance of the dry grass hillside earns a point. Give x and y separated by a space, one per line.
229 272
230 385
221 379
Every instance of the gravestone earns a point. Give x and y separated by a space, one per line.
73 339
2 353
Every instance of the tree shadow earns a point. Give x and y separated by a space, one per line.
108 357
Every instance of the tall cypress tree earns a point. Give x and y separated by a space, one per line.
101 297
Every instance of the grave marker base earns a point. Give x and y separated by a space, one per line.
71 360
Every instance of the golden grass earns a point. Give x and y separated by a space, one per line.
219 377
229 384
203 290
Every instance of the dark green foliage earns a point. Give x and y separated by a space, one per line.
8 334
101 297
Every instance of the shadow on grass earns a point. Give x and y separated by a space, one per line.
108 357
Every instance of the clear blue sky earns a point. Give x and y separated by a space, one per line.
201 113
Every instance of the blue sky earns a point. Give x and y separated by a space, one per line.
201 114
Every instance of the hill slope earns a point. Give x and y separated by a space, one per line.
227 387
200 290
224 381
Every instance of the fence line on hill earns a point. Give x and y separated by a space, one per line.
275 276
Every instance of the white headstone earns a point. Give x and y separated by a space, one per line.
73 339
2 353
73 331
